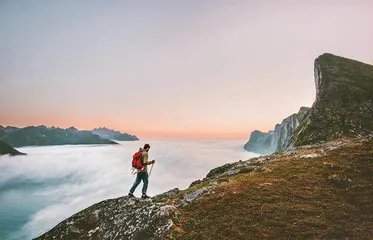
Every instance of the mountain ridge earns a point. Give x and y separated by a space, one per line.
46 136
113 135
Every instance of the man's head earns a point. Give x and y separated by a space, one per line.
146 147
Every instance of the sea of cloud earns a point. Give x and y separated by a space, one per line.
51 183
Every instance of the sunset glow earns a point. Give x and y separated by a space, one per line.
170 69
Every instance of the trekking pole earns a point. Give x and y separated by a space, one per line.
150 172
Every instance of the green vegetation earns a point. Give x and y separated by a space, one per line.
344 104
312 198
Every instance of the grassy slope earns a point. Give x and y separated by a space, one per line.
344 105
327 197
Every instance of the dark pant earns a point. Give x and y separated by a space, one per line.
145 178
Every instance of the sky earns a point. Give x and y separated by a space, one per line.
170 68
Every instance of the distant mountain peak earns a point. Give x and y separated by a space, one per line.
72 128
113 135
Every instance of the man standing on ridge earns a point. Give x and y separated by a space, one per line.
142 173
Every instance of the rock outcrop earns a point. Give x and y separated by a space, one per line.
278 139
7 149
114 135
344 101
43 136
120 218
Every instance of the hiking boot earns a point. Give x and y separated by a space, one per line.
144 196
130 194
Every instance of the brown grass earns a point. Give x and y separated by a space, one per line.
328 197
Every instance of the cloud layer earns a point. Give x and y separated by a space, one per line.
52 183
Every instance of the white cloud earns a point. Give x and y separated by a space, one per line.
63 180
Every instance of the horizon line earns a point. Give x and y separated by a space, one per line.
156 134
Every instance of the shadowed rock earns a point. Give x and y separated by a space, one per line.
7 149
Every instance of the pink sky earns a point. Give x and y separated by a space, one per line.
170 69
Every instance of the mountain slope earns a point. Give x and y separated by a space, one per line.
320 192
314 193
7 149
344 101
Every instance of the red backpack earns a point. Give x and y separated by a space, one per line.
136 160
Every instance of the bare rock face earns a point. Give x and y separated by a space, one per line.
120 218
344 102
278 139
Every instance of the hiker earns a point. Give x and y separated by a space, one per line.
142 172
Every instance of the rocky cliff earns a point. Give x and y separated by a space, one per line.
278 139
344 101
313 191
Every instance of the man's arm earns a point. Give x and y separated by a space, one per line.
143 159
